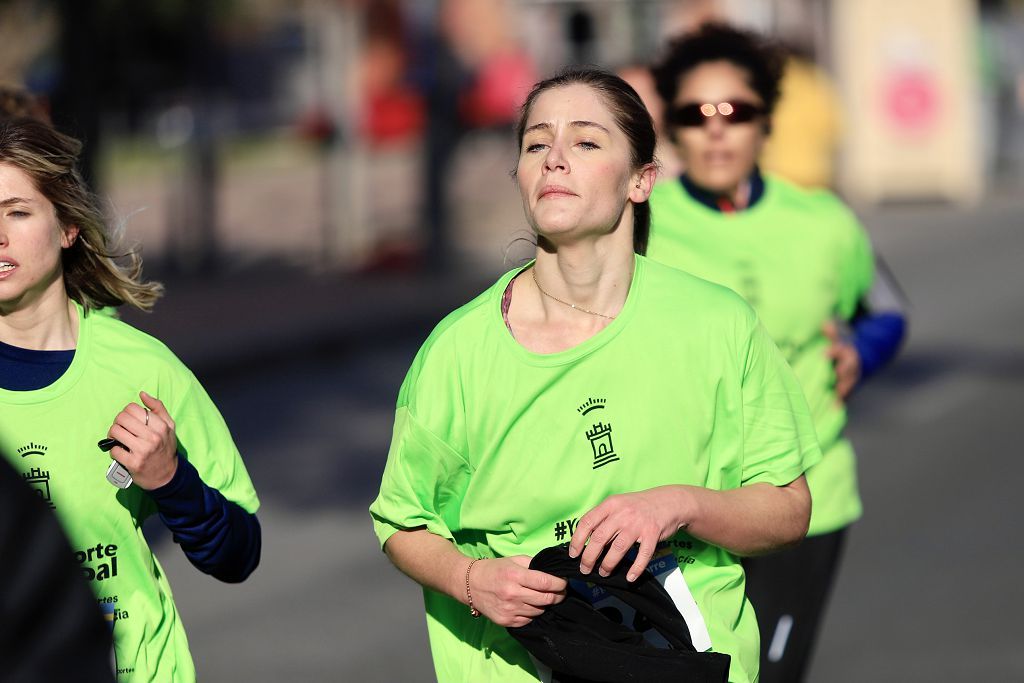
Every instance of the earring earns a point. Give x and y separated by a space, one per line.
638 186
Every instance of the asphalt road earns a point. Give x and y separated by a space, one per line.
929 587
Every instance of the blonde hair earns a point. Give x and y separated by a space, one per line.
97 273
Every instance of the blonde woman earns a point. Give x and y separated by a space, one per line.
71 380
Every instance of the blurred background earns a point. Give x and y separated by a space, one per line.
319 181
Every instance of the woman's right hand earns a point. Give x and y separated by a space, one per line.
509 593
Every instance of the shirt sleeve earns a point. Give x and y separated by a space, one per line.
205 441
218 537
880 322
423 484
779 442
857 269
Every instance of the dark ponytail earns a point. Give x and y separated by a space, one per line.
641 227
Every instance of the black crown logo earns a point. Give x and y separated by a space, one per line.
591 404
32 449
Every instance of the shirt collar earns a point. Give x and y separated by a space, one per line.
722 204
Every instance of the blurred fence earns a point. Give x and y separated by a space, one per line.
354 134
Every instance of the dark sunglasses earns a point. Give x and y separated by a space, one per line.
693 115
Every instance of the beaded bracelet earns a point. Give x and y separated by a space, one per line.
469 596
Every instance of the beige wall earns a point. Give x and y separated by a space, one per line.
906 72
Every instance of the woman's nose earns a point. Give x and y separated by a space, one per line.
555 159
716 125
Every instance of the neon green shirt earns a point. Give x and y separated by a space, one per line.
502 450
800 258
49 436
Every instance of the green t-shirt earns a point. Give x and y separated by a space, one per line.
800 258
502 450
49 436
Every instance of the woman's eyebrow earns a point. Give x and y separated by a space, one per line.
574 124
588 124
15 200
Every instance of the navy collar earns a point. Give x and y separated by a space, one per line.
718 203
28 369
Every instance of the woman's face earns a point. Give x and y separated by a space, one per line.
575 171
31 240
718 155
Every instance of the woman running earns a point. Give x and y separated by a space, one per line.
75 383
592 397
803 261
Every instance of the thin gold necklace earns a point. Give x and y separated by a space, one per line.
566 303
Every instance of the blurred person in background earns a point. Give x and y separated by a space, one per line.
50 625
70 377
697 435
803 261
482 35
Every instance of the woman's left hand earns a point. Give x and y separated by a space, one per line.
151 447
845 360
644 517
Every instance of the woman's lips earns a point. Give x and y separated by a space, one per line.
717 158
556 191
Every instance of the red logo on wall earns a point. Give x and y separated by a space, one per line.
911 100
